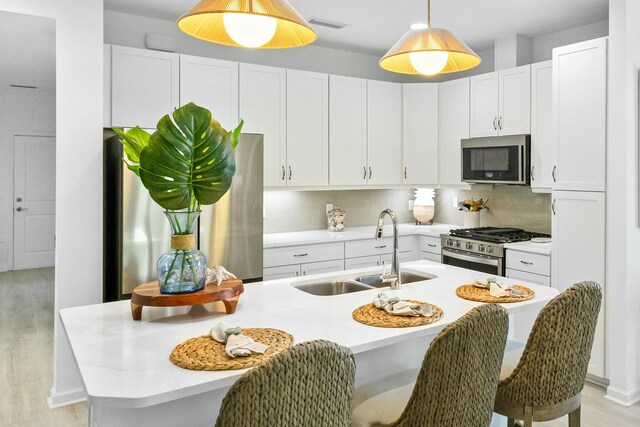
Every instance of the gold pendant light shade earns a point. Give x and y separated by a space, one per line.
264 24
401 58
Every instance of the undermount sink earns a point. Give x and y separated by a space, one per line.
405 278
357 284
334 287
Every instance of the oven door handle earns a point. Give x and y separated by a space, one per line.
495 262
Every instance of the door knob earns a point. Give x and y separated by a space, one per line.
19 199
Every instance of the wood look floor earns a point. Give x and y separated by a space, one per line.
26 355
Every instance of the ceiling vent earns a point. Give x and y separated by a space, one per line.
326 23
23 86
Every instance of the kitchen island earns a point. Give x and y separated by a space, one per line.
129 379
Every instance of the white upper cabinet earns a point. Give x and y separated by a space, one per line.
541 129
501 103
145 86
384 132
514 116
106 88
307 128
420 133
263 107
347 131
580 115
212 84
484 105
453 126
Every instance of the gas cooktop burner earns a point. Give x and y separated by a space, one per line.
495 234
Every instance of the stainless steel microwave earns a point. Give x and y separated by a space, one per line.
496 160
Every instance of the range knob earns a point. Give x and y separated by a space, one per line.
480 247
469 246
489 249
457 243
449 242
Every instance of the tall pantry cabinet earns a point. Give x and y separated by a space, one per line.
579 111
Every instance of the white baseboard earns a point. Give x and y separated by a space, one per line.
622 398
69 397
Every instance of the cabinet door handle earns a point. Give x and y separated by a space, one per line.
431 245
500 123
405 172
532 169
370 173
526 263
299 255
364 168
553 206
304 273
495 127
290 173
381 247
283 173
553 173
297 273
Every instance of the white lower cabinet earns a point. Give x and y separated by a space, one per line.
281 272
578 252
430 248
528 266
322 267
362 262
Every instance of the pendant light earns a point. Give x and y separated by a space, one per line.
429 51
262 24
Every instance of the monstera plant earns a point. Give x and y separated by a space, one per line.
189 161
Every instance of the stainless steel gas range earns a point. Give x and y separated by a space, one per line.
481 249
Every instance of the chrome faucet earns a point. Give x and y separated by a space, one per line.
394 277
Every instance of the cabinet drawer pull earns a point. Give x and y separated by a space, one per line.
431 245
381 247
300 255
526 262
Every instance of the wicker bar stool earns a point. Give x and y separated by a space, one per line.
307 385
549 376
456 384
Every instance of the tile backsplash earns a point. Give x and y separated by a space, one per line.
509 206
288 210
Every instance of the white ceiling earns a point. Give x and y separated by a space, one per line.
27 49
375 25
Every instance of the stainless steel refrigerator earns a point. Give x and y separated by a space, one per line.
136 231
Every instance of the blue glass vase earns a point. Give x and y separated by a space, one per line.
184 268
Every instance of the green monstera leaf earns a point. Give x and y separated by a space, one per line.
189 161
133 141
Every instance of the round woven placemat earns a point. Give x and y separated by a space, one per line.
368 314
474 293
206 354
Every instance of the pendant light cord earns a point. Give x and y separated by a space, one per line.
429 13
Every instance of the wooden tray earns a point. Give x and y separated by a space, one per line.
474 293
206 354
369 314
148 294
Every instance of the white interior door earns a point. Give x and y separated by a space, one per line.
34 202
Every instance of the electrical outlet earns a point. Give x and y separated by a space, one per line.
410 205
455 202
329 207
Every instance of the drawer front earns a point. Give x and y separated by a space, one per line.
303 254
321 267
358 248
362 262
430 244
538 279
528 262
285 272
431 256
404 257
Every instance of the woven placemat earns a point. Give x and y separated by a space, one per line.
474 293
206 354
368 314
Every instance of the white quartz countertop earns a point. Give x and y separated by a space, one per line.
275 240
125 363
534 248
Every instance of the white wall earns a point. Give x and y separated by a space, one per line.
79 39
543 45
623 234
21 111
